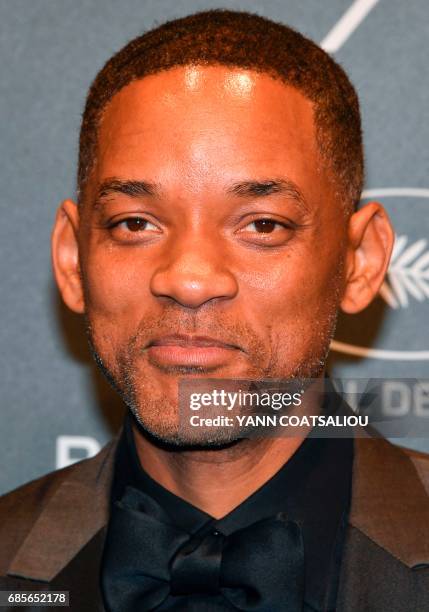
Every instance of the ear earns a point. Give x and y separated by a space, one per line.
370 243
65 256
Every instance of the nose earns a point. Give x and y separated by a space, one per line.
193 273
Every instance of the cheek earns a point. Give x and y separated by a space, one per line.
115 292
293 303
292 287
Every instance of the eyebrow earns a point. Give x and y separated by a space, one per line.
243 189
134 189
261 189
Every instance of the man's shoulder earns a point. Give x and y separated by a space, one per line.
22 507
31 496
390 503
421 463
383 452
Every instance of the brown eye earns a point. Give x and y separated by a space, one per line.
264 226
134 230
135 224
267 232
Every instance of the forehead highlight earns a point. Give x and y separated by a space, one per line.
162 108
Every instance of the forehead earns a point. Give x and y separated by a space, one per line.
208 122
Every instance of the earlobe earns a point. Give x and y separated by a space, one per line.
370 243
65 256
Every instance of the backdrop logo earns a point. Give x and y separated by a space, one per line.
408 275
406 288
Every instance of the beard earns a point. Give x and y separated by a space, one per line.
151 391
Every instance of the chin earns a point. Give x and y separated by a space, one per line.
171 435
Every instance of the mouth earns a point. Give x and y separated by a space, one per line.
190 351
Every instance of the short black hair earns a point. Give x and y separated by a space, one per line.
248 41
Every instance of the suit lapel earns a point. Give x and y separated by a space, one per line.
389 502
72 516
81 577
388 533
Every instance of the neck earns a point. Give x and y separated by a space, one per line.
216 481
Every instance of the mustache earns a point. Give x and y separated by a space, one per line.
218 327
211 322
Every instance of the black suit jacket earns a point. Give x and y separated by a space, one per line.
52 531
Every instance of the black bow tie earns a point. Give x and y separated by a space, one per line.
147 560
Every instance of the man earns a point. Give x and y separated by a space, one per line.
216 236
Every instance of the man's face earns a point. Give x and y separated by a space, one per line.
211 239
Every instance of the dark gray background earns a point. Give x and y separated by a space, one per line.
50 52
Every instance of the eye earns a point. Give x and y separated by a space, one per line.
267 231
136 224
133 229
264 226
